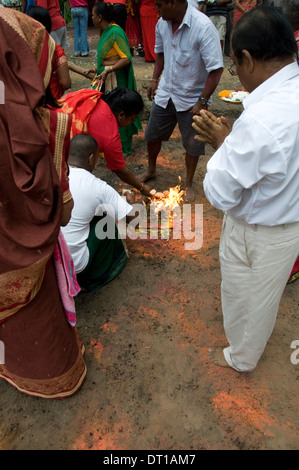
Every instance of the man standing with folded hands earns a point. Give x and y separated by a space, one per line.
254 178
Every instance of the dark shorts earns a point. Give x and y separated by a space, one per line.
162 122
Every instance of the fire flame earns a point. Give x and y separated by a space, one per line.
162 202
171 199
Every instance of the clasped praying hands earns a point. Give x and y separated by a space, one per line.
211 129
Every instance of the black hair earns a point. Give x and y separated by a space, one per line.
123 99
82 145
42 15
266 33
106 10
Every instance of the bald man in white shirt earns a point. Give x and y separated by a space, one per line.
254 178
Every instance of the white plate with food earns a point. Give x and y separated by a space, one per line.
231 96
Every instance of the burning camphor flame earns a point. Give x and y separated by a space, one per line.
170 200
166 203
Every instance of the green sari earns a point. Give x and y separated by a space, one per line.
107 258
125 77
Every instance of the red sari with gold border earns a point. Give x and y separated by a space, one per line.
43 353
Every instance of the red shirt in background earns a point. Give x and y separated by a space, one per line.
116 1
53 8
78 3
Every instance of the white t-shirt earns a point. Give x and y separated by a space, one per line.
89 192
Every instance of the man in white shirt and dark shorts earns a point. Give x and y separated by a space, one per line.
254 178
189 61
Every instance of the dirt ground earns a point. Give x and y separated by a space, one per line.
150 383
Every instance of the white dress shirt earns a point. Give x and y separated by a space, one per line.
190 54
254 175
89 192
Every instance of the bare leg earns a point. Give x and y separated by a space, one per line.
191 164
153 149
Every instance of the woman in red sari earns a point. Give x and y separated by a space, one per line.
148 18
43 352
102 116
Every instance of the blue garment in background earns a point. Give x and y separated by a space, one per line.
30 3
80 22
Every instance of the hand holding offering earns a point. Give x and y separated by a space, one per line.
156 194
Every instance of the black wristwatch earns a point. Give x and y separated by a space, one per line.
203 100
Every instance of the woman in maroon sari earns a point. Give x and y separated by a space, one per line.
43 353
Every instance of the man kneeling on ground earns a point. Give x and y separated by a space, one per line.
98 257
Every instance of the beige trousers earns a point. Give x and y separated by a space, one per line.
256 262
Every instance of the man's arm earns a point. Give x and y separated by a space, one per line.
209 88
159 66
249 154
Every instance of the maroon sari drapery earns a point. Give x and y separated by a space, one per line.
43 353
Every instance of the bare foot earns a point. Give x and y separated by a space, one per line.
217 357
189 195
147 175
